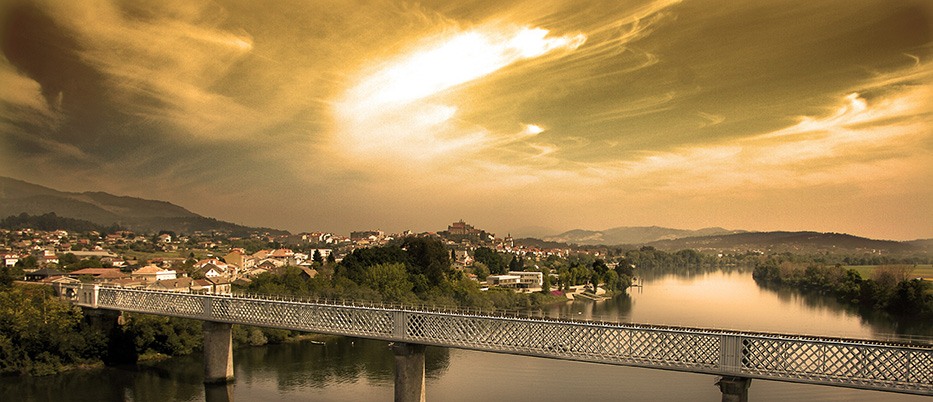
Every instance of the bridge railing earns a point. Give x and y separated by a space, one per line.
830 361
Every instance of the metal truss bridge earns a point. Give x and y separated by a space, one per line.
853 363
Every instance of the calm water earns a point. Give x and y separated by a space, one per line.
348 369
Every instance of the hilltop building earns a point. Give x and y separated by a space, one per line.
462 228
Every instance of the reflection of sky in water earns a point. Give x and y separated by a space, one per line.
724 300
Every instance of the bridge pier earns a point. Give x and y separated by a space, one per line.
734 389
218 352
218 392
409 372
106 320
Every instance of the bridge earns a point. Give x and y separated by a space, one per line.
738 357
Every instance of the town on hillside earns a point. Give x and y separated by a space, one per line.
213 262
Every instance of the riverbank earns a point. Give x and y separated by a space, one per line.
893 289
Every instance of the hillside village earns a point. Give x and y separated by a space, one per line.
214 262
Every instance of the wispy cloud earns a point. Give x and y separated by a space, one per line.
861 142
391 113
162 67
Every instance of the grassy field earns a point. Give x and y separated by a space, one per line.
924 271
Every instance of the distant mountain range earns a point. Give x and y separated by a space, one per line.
726 240
632 235
150 216
136 214
794 242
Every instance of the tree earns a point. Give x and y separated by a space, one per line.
491 259
30 262
8 275
624 268
354 264
517 264
68 259
889 276
429 257
480 270
600 267
911 297
390 280
317 257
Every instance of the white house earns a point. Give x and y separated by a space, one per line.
152 274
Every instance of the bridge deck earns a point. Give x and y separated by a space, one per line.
853 363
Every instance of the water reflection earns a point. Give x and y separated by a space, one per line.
176 379
882 325
733 300
301 365
616 309
218 392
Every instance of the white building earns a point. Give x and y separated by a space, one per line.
517 280
531 279
152 274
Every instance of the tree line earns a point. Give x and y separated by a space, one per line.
51 222
890 287
41 334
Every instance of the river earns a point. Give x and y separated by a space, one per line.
348 369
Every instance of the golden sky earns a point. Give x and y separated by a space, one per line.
530 117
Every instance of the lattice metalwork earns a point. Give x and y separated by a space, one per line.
580 341
167 303
851 363
845 362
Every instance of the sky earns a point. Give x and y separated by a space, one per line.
522 117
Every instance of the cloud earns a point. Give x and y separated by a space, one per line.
710 119
161 65
23 103
393 111
861 142
879 145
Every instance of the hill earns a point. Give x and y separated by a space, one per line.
631 235
136 214
795 242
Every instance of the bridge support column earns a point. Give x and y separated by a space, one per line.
734 389
409 372
218 352
103 319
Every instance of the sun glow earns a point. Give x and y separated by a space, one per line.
461 58
399 91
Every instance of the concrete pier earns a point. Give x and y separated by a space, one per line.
734 389
409 372
105 320
218 352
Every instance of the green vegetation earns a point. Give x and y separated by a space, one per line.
416 270
51 221
919 271
41 335
891 288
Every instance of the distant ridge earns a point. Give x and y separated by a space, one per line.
719 239
632 235
136 214
795 242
